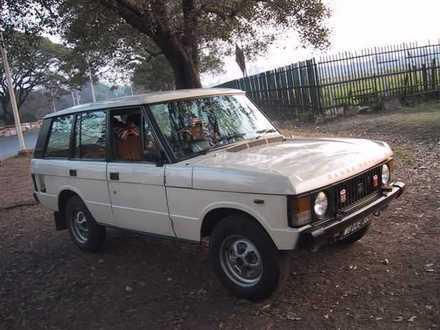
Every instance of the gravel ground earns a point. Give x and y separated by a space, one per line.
388 280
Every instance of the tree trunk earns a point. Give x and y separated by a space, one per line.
181 52
186 74
185 68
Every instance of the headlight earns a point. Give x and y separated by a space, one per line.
321 204
386 174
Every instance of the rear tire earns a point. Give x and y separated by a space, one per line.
245 259
83 229
353 238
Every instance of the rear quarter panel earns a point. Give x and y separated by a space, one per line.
90 184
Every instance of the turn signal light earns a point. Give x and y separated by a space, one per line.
299 211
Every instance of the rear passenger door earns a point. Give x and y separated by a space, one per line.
87 169
136 182
50 168
74 159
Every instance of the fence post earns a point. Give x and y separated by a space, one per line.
424 77
318 87
313 87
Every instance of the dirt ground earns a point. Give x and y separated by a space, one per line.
388 280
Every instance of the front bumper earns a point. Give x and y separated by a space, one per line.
316 236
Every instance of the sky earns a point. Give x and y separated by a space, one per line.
354 24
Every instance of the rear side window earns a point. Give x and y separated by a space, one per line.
59 137
90 139
42 138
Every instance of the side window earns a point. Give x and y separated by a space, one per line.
132 137
42 138
59 137
90 138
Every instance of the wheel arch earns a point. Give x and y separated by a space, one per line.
215 215
64 195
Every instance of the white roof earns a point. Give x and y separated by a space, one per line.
148 98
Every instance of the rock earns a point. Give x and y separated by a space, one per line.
128 288
364 109
398 319
429 268
292 317
412 319
385 261
202 292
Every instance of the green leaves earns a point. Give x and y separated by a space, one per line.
35 62
193 35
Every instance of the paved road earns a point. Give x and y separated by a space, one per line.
9 144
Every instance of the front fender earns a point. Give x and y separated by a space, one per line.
284 237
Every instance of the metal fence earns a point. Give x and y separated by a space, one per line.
325 86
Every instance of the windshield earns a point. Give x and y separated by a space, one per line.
198 125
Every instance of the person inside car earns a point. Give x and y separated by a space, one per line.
128 139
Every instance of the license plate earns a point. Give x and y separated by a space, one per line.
355 226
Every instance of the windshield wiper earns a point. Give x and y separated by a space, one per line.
233 136
264 132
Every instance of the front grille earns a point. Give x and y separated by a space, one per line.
358 188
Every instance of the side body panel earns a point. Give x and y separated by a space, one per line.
188 207
90 184
138 198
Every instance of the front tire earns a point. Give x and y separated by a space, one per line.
83 229
245 258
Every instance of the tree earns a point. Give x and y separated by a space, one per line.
181 29
153 75
185 31
100 34
34 62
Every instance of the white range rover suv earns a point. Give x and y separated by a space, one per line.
206 164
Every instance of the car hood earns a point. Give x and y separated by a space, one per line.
290 166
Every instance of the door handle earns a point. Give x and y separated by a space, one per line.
114 175
72 172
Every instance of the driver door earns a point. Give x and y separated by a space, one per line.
136 183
